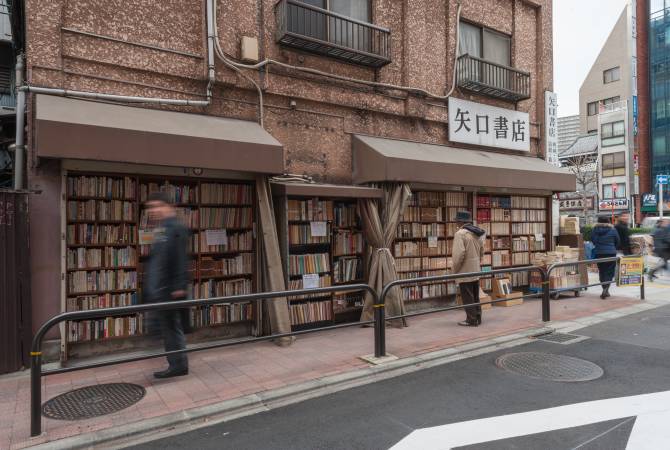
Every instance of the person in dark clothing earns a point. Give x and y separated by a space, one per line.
661 246
605 240
165 278
624 237
468 249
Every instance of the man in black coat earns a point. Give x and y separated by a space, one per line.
624 238
165 278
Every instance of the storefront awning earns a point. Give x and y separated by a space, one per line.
379 159
80 129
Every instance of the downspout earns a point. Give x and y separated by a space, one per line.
19 147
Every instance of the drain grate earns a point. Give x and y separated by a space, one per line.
561 338
548 366
93 401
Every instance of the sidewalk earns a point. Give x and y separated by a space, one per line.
230 373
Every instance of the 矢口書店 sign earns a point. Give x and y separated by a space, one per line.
488 126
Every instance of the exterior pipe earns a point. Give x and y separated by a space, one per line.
112 97
19 148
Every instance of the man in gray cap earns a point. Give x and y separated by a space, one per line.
467 252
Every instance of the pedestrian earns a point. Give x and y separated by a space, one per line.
605 240
468 249
661 246
624 234
165 279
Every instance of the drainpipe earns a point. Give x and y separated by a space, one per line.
19 150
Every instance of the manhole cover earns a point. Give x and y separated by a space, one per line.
548 366
93 401
561 338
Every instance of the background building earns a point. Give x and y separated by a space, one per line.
568 131
582 158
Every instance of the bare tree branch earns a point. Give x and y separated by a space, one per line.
585 169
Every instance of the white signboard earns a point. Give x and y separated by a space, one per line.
479 124
216 237
432 241
318 229
551 127
310 281
608 205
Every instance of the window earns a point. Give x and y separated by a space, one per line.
658 145
356 9
611 100
612 133
610 75
614 164
592 108
608 192
484 43
332 29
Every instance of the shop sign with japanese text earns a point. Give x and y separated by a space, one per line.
551 127
631 270
617 203
488 126
649 199
576 203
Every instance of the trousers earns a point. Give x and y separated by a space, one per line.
606 270
470 294
173 338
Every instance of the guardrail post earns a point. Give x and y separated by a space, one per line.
35 393
380 331
642 287
546 302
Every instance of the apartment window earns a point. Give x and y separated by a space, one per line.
611 75
356 9
611 100
614 164
608 192
592 108
613 133
484 43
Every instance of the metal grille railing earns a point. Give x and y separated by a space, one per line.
495 80
328 33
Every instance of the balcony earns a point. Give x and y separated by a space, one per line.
318 30
494 80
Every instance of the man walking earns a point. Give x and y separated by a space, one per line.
661 246
624 237
467 252
165 278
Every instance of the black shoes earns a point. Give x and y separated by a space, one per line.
605 293
169 373
467 323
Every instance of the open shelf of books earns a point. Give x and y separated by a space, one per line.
424 240
108 236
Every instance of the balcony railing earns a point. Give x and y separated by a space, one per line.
318 30
495 80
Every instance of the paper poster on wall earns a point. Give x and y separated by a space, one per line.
539 237
146 237
310 280
319 229
432 241
216 237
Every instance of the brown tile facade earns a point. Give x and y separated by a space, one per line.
158 49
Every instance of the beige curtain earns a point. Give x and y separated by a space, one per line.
380 221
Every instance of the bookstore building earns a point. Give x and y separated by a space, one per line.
248 235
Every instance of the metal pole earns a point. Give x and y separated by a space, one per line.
380 331
546 303
19 147
660 200
642 286
35 393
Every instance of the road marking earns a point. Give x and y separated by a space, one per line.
651 430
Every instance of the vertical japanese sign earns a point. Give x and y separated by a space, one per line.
551 127
489 126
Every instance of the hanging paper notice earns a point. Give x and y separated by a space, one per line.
539 237
319 229
146 237
216 237
310 280
432 241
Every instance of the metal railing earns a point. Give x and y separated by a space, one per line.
492 79
36 372
325 32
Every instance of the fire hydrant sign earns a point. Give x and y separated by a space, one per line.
631 271
489 126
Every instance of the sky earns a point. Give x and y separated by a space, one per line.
581 27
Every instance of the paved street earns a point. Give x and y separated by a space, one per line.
633 351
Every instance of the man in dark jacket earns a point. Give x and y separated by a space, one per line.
624 237
165 278
661 246
605 240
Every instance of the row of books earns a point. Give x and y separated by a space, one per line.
311 209
495 228
425 263
230 194
485 201
325 280
500 243
521 244
529 215
421 248
347 301
347 269
310 263
192 245
302 234
218 314
345 215
518 278
528 228
500 258
86 302
428 198
528 202
82 258
421 273
493 214
102 186
90 234
189 217
221 288
419 292
178 193
303 313
235 242
109 327
239 265
348 243
103 280
100 210
520 258
226 218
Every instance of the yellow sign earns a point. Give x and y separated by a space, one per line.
631 271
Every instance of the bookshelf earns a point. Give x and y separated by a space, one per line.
107 241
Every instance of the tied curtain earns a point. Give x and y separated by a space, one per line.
380 221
